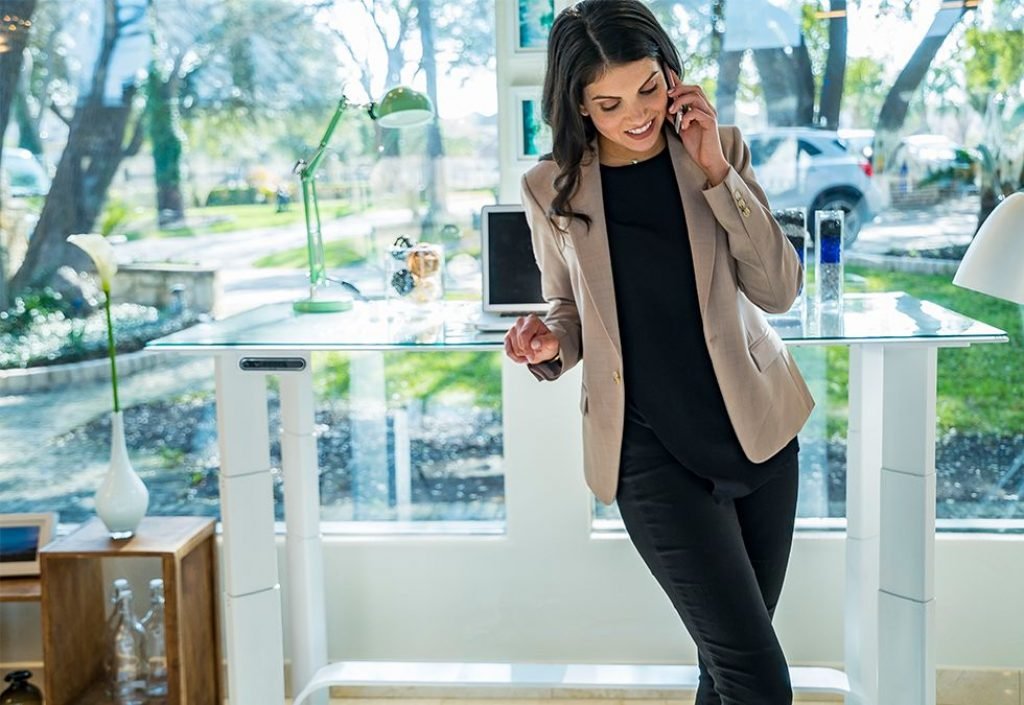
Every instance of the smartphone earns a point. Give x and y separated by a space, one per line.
677 120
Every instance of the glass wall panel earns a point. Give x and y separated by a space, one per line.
910 118
172 128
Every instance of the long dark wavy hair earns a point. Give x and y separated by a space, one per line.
585 40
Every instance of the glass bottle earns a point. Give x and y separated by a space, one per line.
120 585
128 655
793 223
156 643
20 691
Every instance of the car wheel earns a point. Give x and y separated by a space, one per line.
849 203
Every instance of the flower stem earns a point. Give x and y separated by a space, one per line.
111 350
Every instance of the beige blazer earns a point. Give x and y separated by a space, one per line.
743 264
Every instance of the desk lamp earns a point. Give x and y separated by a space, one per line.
401 107
994 263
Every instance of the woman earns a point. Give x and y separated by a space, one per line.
658 253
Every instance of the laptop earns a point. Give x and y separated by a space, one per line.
511 279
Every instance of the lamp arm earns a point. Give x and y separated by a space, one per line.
306 169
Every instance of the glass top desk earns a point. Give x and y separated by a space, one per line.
889 596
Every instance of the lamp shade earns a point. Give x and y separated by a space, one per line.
994 263
404 107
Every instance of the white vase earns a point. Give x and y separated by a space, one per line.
122 499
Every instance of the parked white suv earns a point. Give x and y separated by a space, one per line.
803 167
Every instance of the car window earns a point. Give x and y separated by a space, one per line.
808 149
761 150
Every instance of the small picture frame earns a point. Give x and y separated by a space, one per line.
21 537
533 136
533 22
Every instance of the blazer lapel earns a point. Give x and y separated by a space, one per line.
700 221
592 247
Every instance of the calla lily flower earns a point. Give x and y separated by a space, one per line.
101 253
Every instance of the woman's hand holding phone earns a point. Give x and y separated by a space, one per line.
696 122
530 341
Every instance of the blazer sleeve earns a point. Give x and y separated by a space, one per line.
767 266
562 318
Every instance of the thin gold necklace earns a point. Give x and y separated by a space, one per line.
621 161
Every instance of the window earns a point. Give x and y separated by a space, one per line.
926 161
192 141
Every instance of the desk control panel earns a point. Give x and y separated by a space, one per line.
272 364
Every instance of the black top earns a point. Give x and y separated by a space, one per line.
670 384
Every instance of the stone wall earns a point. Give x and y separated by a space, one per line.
44 378
155 285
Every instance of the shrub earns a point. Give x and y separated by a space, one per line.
227 196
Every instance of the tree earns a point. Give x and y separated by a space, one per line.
787 74
94 150
992 79
165 133
18 15
897 101
463 30
392 22
835 67
864 85
44 76
12 51
228 57
435 147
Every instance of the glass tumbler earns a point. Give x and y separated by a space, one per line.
828 235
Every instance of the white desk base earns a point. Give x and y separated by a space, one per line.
889 609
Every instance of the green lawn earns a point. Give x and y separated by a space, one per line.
224 219
419 376
337 253
978 386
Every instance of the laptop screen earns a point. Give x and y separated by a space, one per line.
511 277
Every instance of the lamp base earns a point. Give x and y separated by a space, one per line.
322 305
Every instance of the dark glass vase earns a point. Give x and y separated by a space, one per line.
20 691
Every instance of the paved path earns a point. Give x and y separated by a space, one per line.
949 223
42 464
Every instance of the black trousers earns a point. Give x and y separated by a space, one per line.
721 564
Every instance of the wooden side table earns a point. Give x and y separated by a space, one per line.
20 589
74 610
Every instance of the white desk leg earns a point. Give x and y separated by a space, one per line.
863 481
306 606
252 605
906 597
367 394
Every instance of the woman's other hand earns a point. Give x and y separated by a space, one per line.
698 127
529 340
